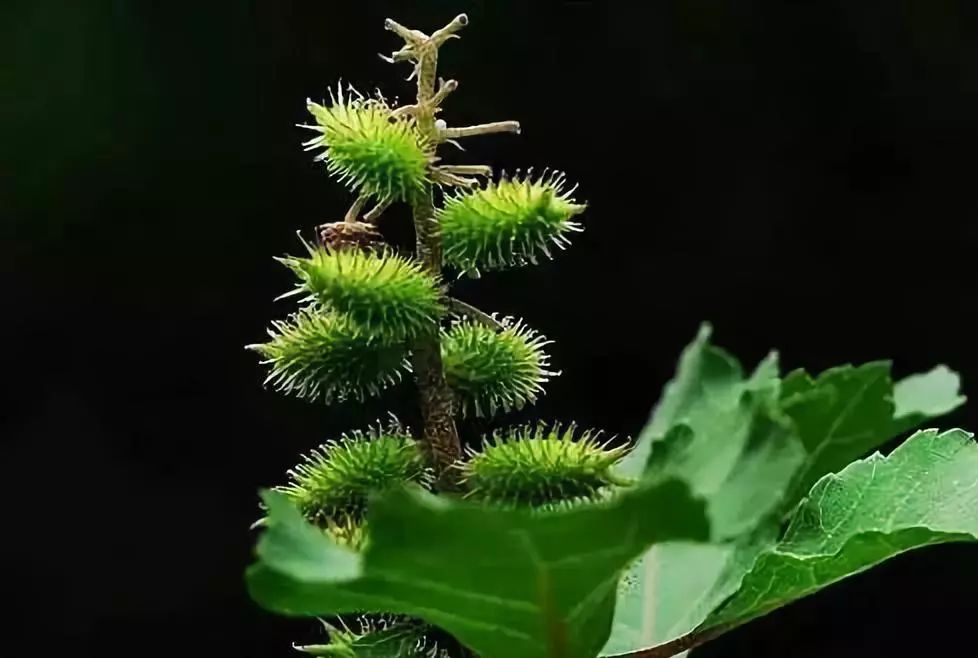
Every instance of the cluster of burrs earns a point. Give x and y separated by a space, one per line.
364 306
366 313
361 310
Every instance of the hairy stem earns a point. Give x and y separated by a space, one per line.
437 399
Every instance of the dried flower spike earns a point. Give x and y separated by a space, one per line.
348 235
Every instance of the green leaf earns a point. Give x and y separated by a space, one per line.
707 380
753 488
738 442
925 492
923 396
507 583
840 416
660 590
722 433
848 411
674 586
756 487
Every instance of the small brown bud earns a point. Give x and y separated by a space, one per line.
348 235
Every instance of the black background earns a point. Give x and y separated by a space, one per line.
798 173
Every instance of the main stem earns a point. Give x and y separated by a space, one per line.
436 398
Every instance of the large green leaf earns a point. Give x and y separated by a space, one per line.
925 492
763 449
840 416
707 394
518 584
673 587
507 583
660 592
708 427
720 431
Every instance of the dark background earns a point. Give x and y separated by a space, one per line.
798 173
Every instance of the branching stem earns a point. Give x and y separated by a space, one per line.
467 170
481 129
445 177
444 89
462 308
437 399
413 38
448 32
377 211
354 212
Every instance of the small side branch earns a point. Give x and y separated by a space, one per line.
433 106
413 38
377 211
459 307
354 211
482 129
405 54
442 177
448 32
405 111
467 170
445 87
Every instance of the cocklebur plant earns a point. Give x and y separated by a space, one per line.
744 492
